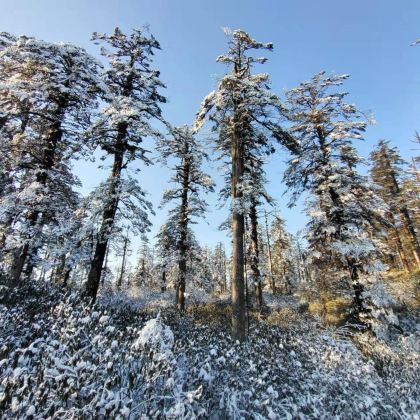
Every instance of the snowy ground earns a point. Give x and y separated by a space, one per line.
61 359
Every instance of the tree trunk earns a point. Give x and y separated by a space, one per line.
177 291
238 230
66 276
108 216
105 267
183 246
270 262
120 278
18 264
255 255
59 274
163 283
358 301
406 217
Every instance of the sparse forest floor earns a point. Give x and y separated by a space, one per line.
126 359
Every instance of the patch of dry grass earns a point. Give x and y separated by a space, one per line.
284 317
210 313
332 309
405 287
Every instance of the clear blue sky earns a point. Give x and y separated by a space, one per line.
370 40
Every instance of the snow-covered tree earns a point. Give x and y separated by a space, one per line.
280 255
342 206
132 102
219 267
165 247
389 172
241 106
143 275
47 92
189 183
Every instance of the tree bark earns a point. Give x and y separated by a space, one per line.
108 216
59 274
105 267
238 229
358 288
255 256
183 246
270 262
18 264
120 278
66 276
163 283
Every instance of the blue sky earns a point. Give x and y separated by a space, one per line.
370 40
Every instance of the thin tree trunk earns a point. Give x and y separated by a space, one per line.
66 276
255 256
406 218
59 274
177 291
105 267
358 301
18 264
182 246
120 278
163 284
270 262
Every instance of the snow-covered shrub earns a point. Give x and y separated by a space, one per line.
70 360
380 303
73 360
284 373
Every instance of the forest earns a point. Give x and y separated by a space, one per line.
322 323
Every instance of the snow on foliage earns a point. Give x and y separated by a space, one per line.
343 207
156 335
70 360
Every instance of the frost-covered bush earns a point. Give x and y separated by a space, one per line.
380 304
83 362
66 359
286 374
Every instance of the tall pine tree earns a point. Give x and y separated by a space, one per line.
342 205
188 181
133 101
47 93
241 104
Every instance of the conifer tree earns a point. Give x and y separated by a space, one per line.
165 247
220 267
390 174
241 106
280 256
144 270
342 206
189 182
133 101
47 92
